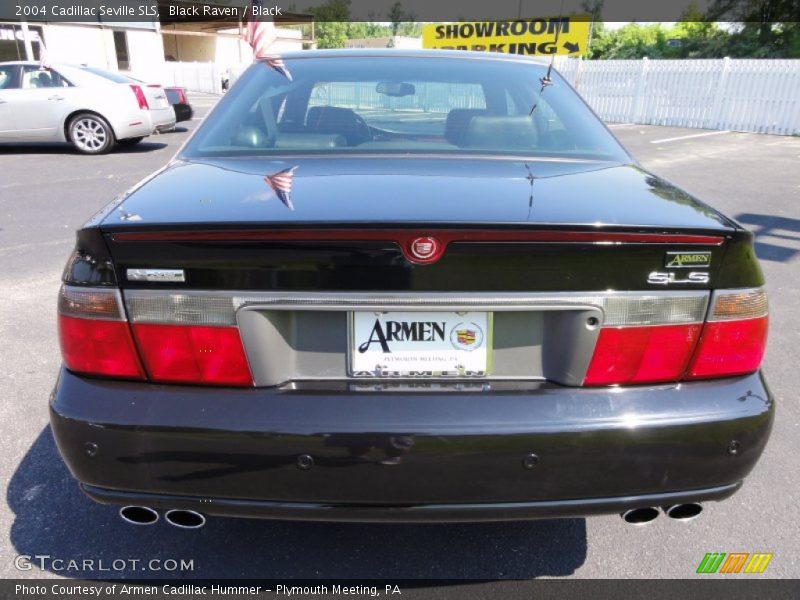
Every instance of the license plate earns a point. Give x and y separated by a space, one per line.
420 344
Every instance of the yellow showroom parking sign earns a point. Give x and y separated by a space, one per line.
534 37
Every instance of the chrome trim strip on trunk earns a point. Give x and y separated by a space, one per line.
213 307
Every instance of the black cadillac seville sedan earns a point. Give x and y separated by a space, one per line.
409 286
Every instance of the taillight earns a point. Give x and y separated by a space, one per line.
182 96
665 338
188 339
627 355
646 338
735 336
95 337
193 354
140 97
176 345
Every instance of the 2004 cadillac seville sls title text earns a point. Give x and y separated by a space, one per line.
409 286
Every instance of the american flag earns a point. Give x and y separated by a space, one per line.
260 35
44 57
281 184
277 64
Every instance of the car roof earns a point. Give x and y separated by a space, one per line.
373 52
411 53
36 63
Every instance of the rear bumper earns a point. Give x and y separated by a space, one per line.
416 513
410 455
183 112
135 124
163 119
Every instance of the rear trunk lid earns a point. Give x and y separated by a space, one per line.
156 96
270 272
346 224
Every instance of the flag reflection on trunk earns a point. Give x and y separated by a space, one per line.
281 184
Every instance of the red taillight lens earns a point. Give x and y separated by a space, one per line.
95 339
730 348
140 97
735 337
626 355
193 354
182 96
98 347
730 342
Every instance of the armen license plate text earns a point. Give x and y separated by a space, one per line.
420 344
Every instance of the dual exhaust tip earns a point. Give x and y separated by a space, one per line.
144 515
679 512
190 519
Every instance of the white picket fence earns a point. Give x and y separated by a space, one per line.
194 76
760 95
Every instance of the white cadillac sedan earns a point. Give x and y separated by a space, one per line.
91 108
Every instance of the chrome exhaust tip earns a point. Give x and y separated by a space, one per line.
184 519
684 512
640 516
138 515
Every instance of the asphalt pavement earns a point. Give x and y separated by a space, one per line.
48 192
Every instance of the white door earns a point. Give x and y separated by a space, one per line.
9 84
41 103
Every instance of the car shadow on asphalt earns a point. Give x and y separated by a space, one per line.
776 229
53 518
64 148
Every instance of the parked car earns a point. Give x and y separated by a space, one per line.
72 104
180 103
409 286
160 107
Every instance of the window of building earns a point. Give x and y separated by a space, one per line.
121 48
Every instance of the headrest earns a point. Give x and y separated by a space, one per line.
251 137
504 132
321 115
457 122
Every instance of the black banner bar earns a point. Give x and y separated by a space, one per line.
732 588
177 11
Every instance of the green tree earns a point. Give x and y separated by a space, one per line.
763 28
331 27
396 16
767 28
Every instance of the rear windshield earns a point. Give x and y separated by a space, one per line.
110 75
417 105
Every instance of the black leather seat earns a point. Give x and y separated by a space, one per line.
458 119
336 120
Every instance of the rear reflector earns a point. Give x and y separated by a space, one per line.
140 97
193 354
94 337
735 337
